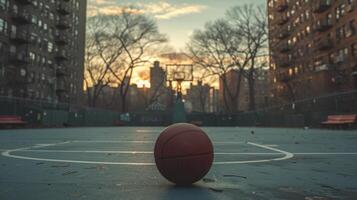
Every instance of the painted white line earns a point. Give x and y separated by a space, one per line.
85 151
147 131
327 153
272 145
113 141
150 152
138 141
135 152
7 153
288 155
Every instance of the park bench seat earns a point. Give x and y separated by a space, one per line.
340 119
11 120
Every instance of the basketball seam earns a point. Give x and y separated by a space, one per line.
177 134
186 156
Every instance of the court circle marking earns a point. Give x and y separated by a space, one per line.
7 153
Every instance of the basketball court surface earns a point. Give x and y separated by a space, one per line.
118 163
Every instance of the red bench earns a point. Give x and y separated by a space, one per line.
340 120
10 121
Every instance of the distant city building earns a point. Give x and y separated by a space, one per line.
199 96
42 49
313 46
108 98
158 89
214 106
137 98
160 93
261 88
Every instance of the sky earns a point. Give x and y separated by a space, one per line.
176 18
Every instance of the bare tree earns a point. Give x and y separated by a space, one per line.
122 43
233 43
220 49
251 23
136 34
96 73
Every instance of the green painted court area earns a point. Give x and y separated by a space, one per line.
118 163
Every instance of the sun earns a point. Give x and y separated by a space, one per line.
143 83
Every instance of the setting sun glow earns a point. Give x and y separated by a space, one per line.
143 83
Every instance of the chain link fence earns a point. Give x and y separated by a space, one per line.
49 114
308 112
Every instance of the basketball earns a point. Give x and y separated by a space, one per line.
183 153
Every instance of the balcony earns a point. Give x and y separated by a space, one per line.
281 5
323 67
16 77
24 2
20 37
19 57
285 47
63 23
61 71
64 7
21 16
350 7
321 6
61 85
324 44
323 25
62 39
284 33
61 55
283 62
282 20
322 64
284 77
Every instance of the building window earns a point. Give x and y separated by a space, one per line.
352 28
3 4
3 26
340 11
23 72
354 50
50 47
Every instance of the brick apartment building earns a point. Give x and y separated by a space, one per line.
313 46
42 49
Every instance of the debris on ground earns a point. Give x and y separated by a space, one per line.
69 173
94 167
40 163
236 176
297 142
252 132
216 189
329 187
208 180
316 198
59 166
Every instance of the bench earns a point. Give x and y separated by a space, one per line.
340 120
9 121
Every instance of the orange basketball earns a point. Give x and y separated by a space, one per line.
183 153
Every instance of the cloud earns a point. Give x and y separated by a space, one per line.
161 10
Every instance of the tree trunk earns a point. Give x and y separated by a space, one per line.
251 85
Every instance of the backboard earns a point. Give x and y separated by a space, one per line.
179 72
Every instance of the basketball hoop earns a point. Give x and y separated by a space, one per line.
179 73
